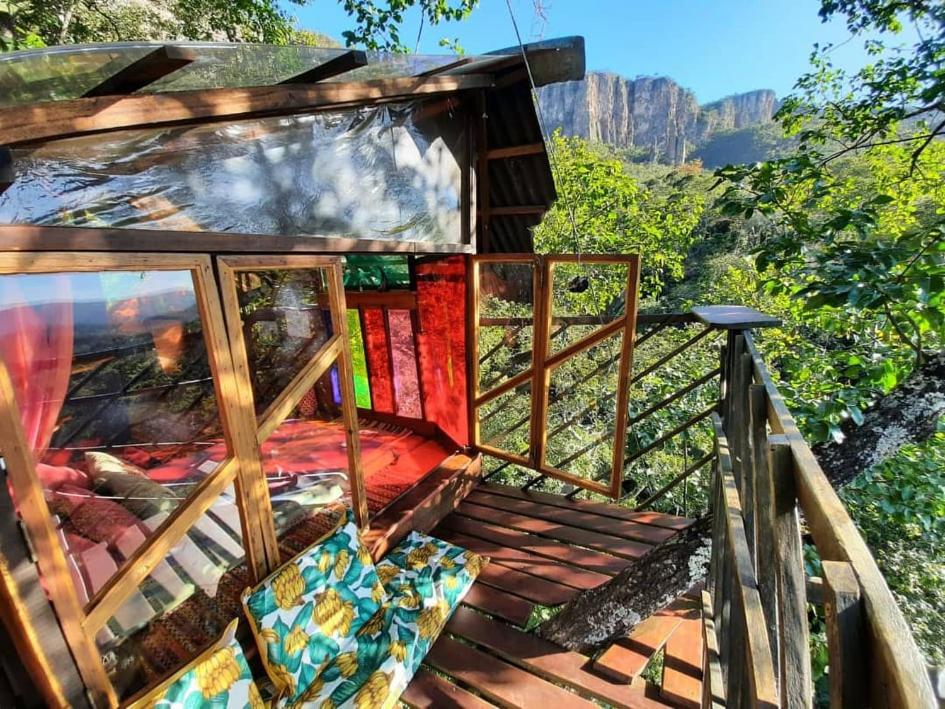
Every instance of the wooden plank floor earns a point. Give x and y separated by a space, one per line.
543 550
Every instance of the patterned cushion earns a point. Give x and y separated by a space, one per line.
434 569
310 610
218 677
390 647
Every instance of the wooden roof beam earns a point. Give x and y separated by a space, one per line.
515 151
6 169
60 119
446 67
146 70
342 64
519 210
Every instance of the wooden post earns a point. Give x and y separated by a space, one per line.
796 686
713 687
765 552
846 636
743 437
349 411
541 376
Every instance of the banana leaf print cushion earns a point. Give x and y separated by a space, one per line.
309 611
392 645
218 677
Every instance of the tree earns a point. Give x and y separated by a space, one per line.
850 244
601 208
38 23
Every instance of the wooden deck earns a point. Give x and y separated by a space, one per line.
543 550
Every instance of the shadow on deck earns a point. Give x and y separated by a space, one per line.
543 550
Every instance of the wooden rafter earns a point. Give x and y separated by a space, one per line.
446 67
61 119
342 64
519 210
152 66
515 151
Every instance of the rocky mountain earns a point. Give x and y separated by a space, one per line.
655 115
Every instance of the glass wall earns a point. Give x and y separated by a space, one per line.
390 172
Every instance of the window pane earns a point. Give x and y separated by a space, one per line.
584 298
306 459
113 382
506 322
285 321
582 412
179 609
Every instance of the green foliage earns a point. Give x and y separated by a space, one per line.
900 509
376 25
601 208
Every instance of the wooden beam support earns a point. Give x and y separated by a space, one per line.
61 119
446 67
343 63
7 175
522 210
146 70
846 636
516 151
26 237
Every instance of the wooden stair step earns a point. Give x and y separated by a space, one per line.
574 577
540 546
502 683
626 658
502 605
616 546
682 663
541 657
575 518
430 691
531 588
604 509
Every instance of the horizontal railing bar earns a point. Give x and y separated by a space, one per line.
666 436
675 481
679 394
667 357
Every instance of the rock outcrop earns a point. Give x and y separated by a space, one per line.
653 114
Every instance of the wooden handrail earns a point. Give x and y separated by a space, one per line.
775 476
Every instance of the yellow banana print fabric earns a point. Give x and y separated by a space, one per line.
308 613
425 579
218 678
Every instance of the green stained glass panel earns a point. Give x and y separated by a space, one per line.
362 389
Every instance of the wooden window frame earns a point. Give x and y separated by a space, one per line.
79 623
335 351
544 362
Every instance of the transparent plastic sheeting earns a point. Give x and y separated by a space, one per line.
391 172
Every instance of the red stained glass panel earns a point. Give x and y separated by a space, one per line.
441 302
404 357
378 360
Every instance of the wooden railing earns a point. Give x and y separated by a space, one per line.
767 489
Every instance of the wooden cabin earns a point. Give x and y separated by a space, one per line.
245 287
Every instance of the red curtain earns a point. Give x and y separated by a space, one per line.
441 303
36 346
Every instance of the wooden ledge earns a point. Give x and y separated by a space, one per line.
733 317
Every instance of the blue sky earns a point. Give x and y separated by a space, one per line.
714 47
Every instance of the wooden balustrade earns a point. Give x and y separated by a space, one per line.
766 481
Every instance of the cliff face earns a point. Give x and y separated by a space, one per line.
656 115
